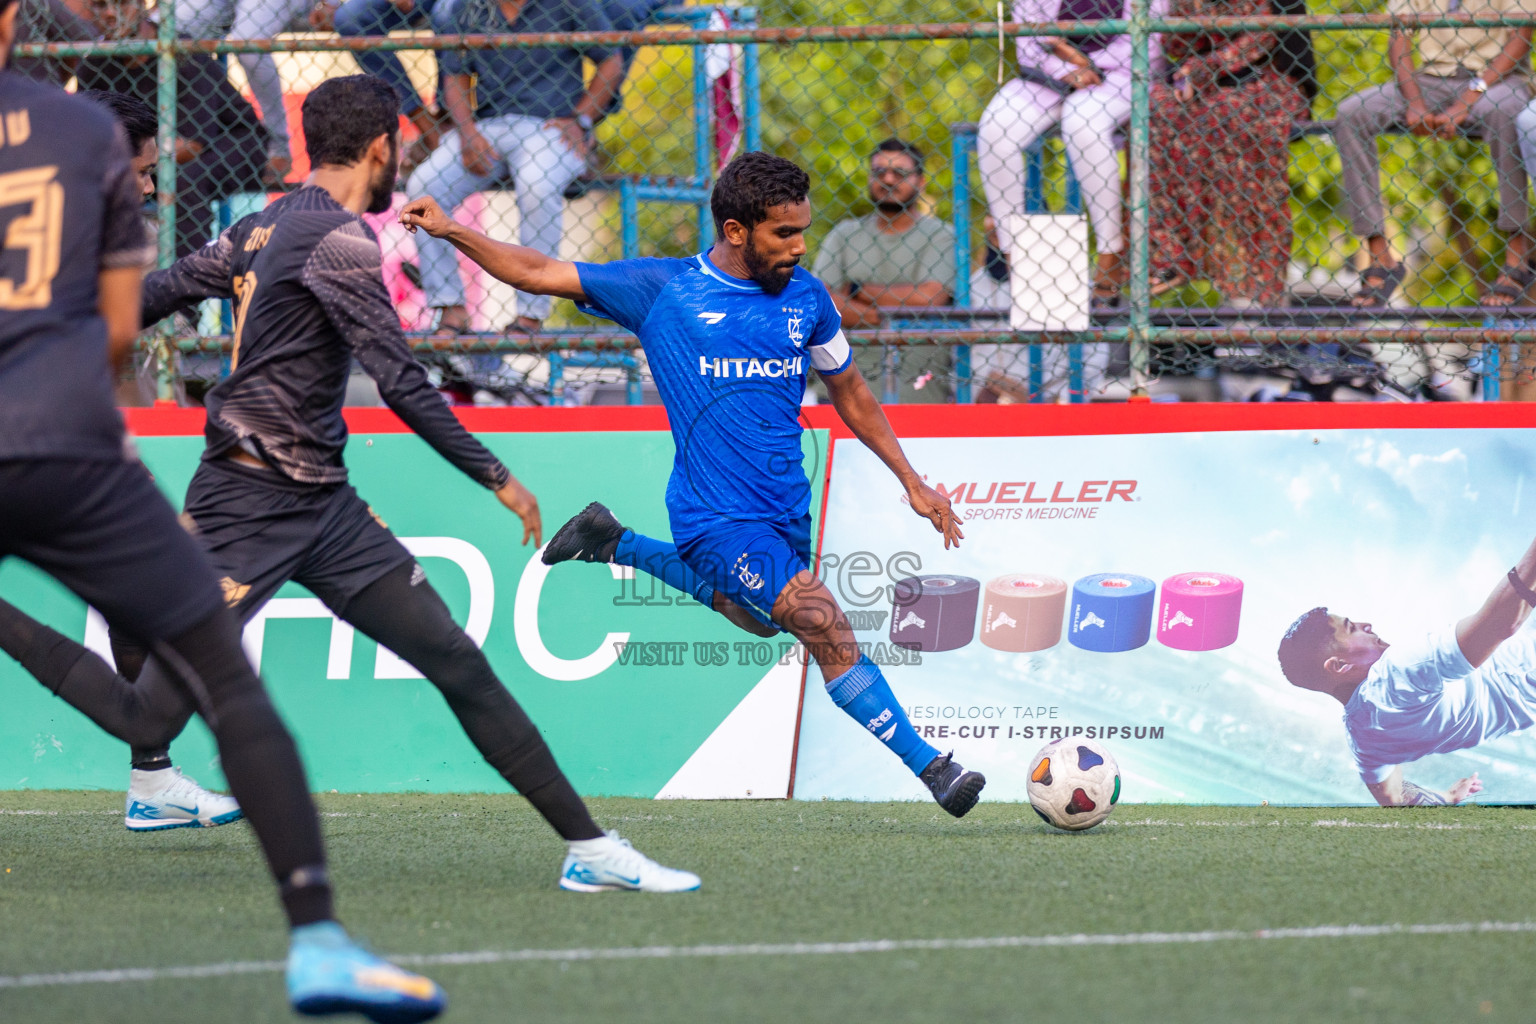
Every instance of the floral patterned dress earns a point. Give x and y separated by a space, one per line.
1220 197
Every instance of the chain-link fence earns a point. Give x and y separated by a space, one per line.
1067 200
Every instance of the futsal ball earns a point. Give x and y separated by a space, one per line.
1074 783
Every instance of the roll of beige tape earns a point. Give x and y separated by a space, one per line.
1023 611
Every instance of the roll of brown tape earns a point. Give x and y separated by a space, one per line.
1023 611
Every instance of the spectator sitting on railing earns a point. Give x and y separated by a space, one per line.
220 143
52 21
1467 77
895 256
1220 197
533 122
252 19
1082 84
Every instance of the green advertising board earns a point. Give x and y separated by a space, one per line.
639 691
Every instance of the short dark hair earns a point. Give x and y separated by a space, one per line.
342 117
137 117
1306 645
751 184
895 145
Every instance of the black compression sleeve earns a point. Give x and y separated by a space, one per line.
415 624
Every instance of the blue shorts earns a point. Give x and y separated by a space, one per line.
749 562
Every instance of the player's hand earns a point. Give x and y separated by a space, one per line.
522 502
1463 789
935 508
424 213
479 156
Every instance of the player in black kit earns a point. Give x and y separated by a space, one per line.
270 501
75 503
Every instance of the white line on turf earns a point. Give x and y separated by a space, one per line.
56 814
766 949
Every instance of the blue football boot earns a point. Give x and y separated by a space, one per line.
329 973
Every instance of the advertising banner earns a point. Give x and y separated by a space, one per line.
1135 588
639 691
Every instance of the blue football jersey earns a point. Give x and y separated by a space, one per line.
730 362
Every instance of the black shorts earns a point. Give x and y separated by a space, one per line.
105 531
261 529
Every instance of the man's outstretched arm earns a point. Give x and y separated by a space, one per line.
1501 615
856 405
344 274
523 268
1396 791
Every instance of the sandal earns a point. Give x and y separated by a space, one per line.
1386 283
1510 288
1166 280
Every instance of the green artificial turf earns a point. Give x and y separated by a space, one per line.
446 874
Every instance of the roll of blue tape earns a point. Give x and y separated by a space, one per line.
1111 611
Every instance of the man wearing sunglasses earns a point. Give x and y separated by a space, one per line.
895 256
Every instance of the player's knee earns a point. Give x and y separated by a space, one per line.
460 669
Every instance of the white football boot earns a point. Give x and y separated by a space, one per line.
611 863
168 799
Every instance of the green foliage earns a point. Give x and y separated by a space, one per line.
826 106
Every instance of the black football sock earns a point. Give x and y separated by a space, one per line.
414 622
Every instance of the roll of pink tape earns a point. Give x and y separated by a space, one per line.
1199 611
1023 612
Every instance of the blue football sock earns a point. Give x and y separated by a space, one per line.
660 559
865 695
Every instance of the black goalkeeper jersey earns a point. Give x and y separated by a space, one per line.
306 279
69 209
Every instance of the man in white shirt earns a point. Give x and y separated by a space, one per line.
1451 690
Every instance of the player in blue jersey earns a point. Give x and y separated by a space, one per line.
729 335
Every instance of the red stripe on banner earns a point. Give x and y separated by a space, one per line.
1180 417
956 420
165 421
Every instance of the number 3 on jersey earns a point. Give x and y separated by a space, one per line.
38 232
243 287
